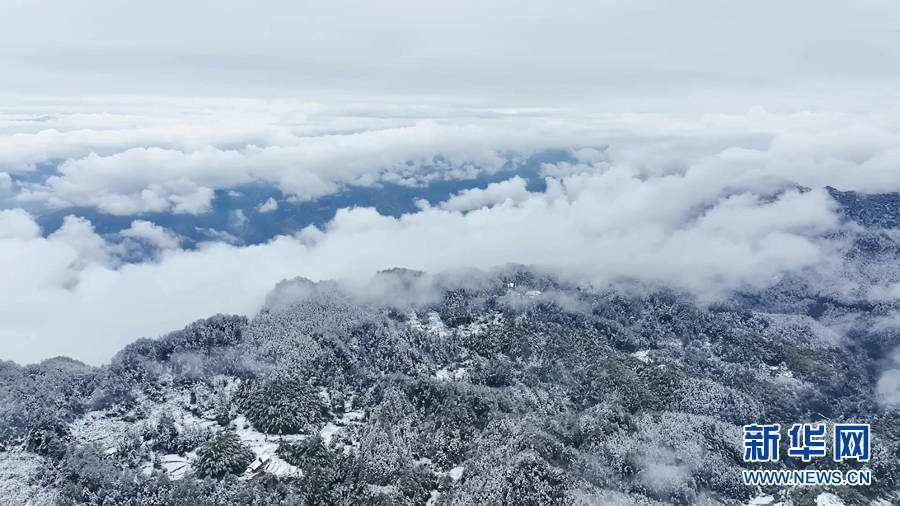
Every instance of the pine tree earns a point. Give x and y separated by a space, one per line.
225 454
281 405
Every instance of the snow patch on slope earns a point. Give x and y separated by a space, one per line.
265 448
16 469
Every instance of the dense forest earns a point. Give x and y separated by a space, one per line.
512 386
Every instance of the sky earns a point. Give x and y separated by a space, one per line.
164 162
518 51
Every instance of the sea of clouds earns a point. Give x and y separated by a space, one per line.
704 202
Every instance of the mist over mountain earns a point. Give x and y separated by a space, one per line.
507 386
141 220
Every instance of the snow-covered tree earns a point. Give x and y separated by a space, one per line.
224 454
281 405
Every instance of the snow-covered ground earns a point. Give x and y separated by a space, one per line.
16 487
101 429
436 327
642 355
176 466
828 499
265 447
445 374
106 430
433 326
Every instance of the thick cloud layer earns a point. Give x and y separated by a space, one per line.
166 162
707 203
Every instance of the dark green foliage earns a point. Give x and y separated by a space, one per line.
415 485
455 309
224 454
48 439
324 470
496 373
281 405
165 435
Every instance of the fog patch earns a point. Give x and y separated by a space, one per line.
887 389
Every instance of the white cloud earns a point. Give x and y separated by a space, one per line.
24 145
152 233
589 155
706 203
237 220
155 179
5 181
512 190
218 235
17 224
153 170
887 390
596 227
78 234
268 206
